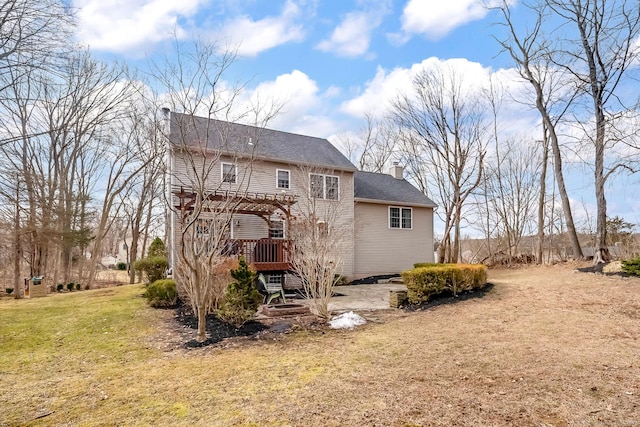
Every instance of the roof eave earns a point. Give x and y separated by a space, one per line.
395 202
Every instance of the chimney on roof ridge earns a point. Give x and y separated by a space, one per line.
396 171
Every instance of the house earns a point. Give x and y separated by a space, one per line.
271 177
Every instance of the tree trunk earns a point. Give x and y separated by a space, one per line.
202 324
133 254
17 280
541 200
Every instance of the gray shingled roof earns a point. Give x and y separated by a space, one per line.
266 144
386 188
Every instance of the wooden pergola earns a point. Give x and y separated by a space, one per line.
268 255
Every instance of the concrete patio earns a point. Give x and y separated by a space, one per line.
363 297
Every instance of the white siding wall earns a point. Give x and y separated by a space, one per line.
260 177
382 250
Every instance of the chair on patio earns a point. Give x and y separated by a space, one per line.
270 291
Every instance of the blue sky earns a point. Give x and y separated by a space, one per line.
334 60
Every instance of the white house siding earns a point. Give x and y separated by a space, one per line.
381 250
259 176
344 207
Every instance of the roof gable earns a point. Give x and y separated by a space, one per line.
261 143
385 188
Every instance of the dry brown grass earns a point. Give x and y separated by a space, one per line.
545 347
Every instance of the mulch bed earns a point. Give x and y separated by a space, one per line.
448 298
599 268
217 330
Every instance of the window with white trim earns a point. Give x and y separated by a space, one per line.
400 218
229 173
324 186
282 179
274 279
276 229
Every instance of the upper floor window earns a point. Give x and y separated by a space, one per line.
276 229
324 186
229 173
282 179
400 217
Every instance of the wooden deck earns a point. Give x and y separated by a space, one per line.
263 254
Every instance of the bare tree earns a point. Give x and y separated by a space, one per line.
552 98
320 237
31 34
443 137
512 183
204 193
372 148
600 57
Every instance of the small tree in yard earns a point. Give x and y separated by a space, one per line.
242 299
212 170
319 236
155 264
157 248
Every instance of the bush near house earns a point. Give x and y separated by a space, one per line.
161 293
631 266
427 280
242 299
154 267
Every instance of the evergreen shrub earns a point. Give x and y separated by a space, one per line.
631 266
427 280
242 299
161 293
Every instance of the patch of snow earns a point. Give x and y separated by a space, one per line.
347 320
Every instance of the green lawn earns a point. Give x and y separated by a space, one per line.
544 347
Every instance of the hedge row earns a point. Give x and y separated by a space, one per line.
427 280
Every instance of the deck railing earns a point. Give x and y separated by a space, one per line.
263 254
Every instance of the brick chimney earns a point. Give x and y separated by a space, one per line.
396 171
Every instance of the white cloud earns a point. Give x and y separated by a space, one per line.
131 25
352 36
302 104
435 19
385 87
253 37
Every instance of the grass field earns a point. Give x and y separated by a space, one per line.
545 347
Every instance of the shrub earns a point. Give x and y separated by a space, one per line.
157 248
428 280
9 291
424 264
242 298
154 267
161 293
71 286
60 287
631 266
122 266
78 286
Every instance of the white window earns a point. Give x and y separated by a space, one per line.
274 279
400 217
276 229
324 186
204 226
229 173
282 179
